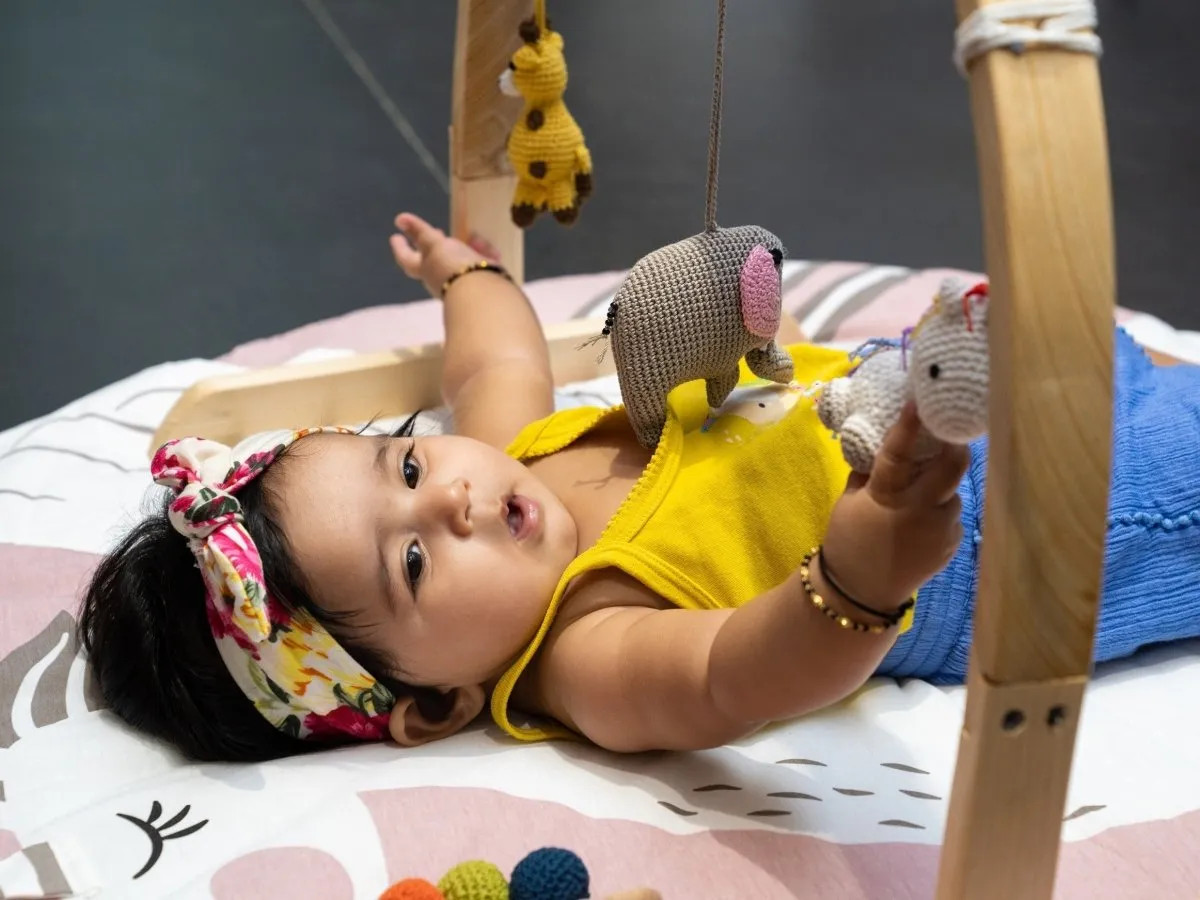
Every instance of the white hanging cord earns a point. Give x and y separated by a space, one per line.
1063 25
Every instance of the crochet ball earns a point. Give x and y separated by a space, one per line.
476 880
412 889
550 874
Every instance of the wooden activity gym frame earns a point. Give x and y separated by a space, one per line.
1048 234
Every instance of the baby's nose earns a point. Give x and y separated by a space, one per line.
455 503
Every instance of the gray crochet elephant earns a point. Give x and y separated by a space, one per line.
693 310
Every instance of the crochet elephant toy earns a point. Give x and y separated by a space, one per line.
545 148
941 364
693 310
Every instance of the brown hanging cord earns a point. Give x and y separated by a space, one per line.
714 127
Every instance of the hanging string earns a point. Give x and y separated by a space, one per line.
714 128
539 15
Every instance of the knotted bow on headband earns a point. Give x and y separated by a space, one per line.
297 676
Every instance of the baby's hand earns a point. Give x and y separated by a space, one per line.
895 529
428 255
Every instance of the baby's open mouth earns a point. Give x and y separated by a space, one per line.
521 514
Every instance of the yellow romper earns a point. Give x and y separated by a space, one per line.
726 509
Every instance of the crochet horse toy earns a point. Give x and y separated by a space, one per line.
546 148
941 364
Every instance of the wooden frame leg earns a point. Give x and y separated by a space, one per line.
1043 164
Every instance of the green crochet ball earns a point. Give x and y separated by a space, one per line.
475 880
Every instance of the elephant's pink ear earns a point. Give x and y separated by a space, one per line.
760 293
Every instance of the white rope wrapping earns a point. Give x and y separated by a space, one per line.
1062 24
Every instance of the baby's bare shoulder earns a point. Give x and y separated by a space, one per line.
604 589
622 658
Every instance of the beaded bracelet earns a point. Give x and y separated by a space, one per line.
819 602
892 618
482 266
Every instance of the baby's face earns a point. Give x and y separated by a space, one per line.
441 552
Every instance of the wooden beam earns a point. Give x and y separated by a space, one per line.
481 117
1048 232
343 391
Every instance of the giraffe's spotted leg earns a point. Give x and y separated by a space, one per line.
567 216
523 215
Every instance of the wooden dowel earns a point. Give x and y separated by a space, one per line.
481 117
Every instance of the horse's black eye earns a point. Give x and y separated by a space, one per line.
934 371
777 255
512 65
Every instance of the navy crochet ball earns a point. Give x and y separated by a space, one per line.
549 874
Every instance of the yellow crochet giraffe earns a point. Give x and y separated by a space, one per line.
546 148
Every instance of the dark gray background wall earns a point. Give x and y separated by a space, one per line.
178 177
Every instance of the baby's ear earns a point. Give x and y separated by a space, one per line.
410 727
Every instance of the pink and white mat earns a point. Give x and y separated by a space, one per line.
849 803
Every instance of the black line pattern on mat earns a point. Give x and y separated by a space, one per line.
28 448
902 823
901 767
157 833
55 420
148 392
678 810
31 497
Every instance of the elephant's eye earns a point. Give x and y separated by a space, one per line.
934 371
512 66
777 255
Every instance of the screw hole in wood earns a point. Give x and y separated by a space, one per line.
1057 716
1013 720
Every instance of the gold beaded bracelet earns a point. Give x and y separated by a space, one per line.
482 266
819 602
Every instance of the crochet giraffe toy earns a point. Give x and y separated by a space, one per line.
546 148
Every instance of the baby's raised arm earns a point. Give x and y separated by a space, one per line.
496 374
635 679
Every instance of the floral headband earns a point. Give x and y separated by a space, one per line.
294 672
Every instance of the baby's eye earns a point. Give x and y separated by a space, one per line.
410 469
414 564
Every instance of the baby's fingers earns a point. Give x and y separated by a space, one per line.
942 475
894 468
406 257
420 233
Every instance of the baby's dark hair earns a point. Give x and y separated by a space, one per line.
144 626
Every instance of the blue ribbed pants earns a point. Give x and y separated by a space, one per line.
1151 589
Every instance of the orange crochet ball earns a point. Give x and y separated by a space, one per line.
412 889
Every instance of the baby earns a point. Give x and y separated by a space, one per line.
310 588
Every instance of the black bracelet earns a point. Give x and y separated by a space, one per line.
891 618
482 266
